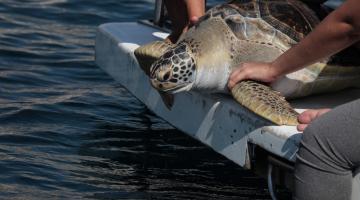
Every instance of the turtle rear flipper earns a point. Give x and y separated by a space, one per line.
149 53
265 102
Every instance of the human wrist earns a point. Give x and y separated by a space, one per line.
274 71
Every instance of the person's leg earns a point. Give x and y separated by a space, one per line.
328 154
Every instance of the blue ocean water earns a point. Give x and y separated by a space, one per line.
68 131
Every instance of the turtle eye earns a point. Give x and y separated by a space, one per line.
166 76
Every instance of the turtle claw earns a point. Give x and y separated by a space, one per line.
168 99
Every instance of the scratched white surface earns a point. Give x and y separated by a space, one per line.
216 120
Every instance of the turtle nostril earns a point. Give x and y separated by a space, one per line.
166 76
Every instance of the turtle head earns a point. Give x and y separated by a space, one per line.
174 71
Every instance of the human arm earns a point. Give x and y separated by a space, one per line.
337 31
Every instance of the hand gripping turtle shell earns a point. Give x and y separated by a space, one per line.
242 31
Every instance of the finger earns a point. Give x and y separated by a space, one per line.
231 80
230 84
310 115
237 77
235 72
301 127
307 116
323 111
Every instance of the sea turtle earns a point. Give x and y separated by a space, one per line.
241 31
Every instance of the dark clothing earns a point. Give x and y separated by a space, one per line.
329 154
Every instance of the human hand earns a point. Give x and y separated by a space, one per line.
257 71
306 117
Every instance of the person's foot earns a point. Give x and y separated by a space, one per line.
308 116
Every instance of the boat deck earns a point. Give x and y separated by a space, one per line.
215 120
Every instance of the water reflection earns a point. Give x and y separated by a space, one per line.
68 131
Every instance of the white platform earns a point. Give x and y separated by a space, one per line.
217 121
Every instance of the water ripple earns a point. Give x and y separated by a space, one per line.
68 131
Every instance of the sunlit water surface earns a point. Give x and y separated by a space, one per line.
68 131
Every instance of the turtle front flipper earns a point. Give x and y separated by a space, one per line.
265 102
149 53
